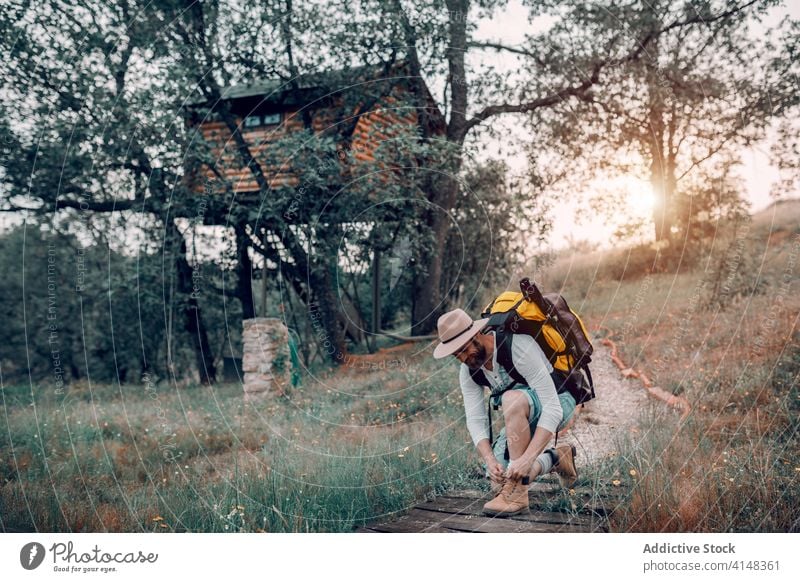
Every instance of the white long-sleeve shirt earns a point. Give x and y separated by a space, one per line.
530 361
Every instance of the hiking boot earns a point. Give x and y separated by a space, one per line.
496 488
564 467
512 499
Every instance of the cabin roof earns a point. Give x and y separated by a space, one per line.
329 81
308 88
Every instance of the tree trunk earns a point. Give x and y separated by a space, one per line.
244 272
324 316
428 299
661 223
312 282
664 183
656 89
189 290
317 277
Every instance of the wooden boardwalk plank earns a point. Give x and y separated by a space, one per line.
542 489
391 528
476 523
552 510
460 505
585 501
406 523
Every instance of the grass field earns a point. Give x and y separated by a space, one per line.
366 441
339 452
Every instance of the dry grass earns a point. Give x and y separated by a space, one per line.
344 449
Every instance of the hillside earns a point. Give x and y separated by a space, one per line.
723 334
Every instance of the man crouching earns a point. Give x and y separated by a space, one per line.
532 412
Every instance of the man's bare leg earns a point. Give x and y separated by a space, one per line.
513 497
516 410
536 470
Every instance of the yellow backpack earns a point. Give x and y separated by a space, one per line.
557 329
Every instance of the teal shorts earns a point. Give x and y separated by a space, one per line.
567 406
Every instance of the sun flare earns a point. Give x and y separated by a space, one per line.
639 196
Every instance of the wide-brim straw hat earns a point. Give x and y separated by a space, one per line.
456 328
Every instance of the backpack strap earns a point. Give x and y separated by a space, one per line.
480 378
503 343
534 329
585 368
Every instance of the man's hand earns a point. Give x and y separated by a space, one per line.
520 468
493 466
496 472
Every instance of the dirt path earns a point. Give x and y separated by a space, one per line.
612 413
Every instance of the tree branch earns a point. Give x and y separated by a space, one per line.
546 101
700 19
581 89
511 49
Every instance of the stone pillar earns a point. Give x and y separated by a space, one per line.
266 360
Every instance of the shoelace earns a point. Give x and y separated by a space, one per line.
508 494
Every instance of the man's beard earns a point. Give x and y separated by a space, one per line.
478 359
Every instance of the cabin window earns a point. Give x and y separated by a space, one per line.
252 121
272 119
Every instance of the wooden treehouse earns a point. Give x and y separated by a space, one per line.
357 109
